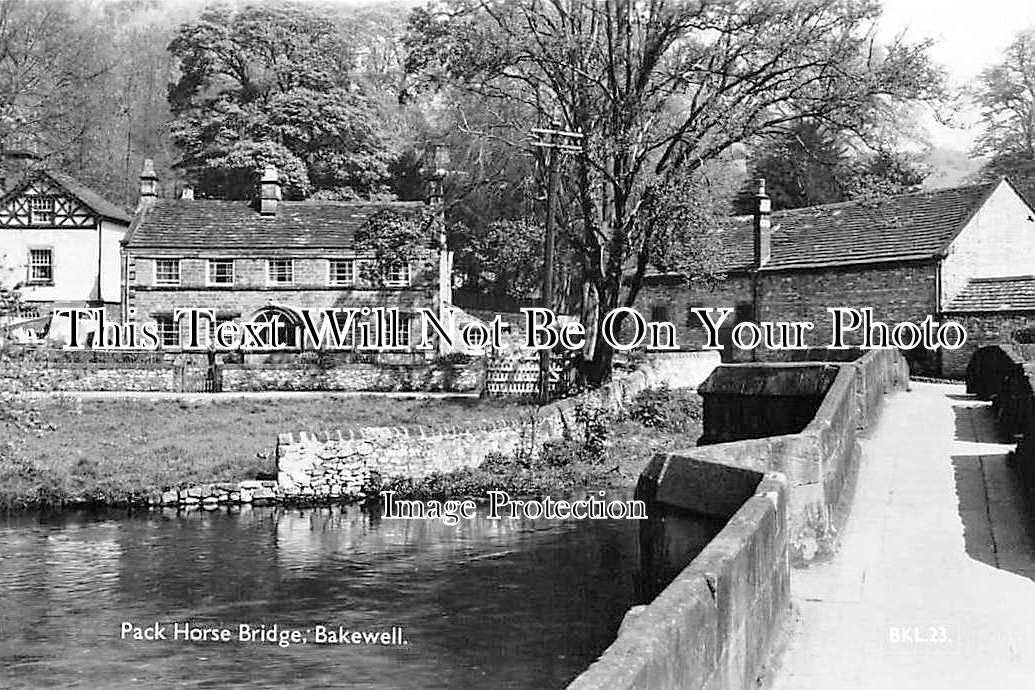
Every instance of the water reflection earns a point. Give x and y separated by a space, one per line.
491 604
486 603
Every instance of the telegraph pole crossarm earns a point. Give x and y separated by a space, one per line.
555 141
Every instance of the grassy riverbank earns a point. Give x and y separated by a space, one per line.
64 450
601 451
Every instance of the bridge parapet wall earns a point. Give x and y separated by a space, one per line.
712 627
819 461
1005 375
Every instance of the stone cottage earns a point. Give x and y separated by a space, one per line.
59 239
950 253
267 259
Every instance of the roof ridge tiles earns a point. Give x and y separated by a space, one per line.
1002 279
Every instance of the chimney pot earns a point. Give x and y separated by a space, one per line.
269 191
187 193
762 226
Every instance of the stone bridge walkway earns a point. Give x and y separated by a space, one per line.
932 587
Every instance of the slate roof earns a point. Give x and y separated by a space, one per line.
210 224
1027 190
995 294
97 203
88 197
920 225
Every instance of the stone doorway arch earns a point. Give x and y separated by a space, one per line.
284 319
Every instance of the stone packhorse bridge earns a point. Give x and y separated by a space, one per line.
927 584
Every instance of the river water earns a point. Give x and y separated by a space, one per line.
484 604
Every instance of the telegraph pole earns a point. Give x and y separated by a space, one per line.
556 141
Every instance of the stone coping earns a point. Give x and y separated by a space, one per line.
404 431
713 625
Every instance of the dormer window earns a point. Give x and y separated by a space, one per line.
41 210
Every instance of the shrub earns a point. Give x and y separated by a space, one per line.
593 423
665 408
478 481
562 453
453 359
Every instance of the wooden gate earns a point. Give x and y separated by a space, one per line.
520 377
201 379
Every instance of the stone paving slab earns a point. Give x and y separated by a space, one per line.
932 586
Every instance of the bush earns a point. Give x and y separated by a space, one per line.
453 359
593 428
476 482
665 408
559 467
562 453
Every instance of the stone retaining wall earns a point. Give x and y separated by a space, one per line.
335 464
351 377
713 626
332 466
338 465
172 377
159 377
686 369
249 491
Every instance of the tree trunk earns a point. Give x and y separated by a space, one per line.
597 371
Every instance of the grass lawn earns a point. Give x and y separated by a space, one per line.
635 444
116 451
604 453
111 450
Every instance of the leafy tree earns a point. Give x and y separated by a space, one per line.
1006 96
10 292
494 202
47 59
659 90
505 258
884 173
800 168
396 238
808 166
272 84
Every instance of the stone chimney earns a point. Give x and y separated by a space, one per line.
434 170
187 193
269 191
763 226
148 185
436 167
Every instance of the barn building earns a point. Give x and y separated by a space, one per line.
965 253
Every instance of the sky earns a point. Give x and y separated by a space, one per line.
969 35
